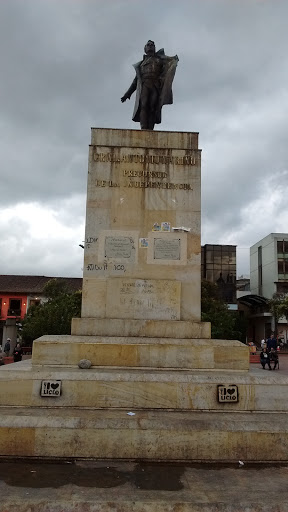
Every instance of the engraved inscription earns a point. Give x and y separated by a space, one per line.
143 159
119 247
133 298
167 249
147 184
103 268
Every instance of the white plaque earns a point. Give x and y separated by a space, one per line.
165 249
119 247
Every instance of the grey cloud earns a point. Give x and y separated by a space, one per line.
66 64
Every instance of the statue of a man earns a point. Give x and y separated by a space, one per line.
153 86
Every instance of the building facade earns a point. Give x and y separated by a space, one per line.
218 265
269 276
269 265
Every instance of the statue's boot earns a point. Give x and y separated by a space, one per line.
144 123
151 120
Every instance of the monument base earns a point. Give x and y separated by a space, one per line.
146 328
141 413
148 435
159 388
141 352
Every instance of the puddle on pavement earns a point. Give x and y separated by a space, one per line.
142 476
105 474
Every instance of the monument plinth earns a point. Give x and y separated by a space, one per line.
142 259
141 188
159 387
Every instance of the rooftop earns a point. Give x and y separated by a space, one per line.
34 284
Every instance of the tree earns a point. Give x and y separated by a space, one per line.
278 306
53 316
224 324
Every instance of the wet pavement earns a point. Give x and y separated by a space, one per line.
100 486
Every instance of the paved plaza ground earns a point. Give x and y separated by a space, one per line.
142 487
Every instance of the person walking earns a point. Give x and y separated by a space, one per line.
7 347
271 343
274 358
265 358
17 353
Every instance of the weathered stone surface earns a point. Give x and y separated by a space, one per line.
159 298
85 364
139 351
161 435
134 186
147 328
131 389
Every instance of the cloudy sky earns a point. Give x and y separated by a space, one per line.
64 66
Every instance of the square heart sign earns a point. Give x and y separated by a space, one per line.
228 393
51 388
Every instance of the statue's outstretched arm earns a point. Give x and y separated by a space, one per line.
130 91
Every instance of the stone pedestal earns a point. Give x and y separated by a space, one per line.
141 187
159 387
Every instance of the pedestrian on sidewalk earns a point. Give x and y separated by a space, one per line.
265 358
17 353
274 357
7 347
271 343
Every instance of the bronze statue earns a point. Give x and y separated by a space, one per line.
153 86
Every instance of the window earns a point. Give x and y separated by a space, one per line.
260 270
280 247
283 269
14 307
34 302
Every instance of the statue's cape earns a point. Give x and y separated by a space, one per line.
166 95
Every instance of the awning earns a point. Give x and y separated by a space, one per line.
253 301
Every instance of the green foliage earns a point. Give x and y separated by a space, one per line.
55 288
224 324
278 306
53 316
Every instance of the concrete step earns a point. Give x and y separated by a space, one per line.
146 435
137 388
141 352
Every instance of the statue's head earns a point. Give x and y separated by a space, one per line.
149 48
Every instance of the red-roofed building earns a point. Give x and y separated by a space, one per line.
17 293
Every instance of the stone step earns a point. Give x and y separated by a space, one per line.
142 388
141 352
148 434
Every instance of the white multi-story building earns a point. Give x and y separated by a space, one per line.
269 265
